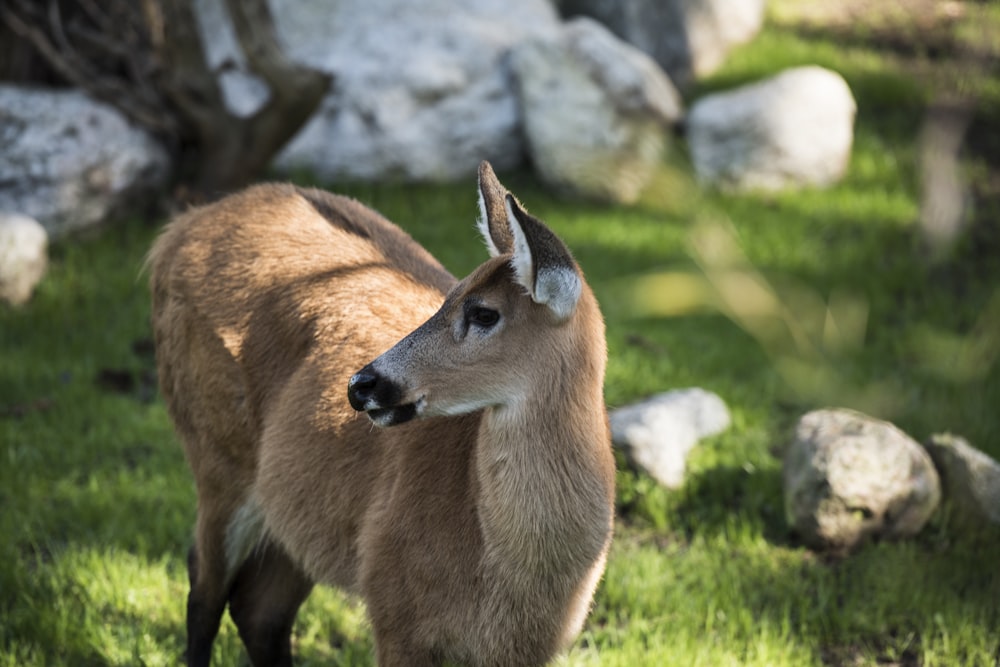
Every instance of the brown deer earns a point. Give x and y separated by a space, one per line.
476 528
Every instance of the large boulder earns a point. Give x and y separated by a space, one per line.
23 257
596 111
971 481
849 477
69 161
657 434
688 38
794 129
422 90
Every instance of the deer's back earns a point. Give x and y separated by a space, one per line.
277 270
263 306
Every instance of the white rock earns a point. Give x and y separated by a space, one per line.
714 27
971 480
658 433
596 111
794 129
849 477
23 256
421 91
69 161
688 38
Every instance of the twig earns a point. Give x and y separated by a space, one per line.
78 72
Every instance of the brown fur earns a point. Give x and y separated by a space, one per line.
476 537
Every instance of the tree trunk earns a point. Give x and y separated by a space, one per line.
231 150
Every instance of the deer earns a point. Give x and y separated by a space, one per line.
471 511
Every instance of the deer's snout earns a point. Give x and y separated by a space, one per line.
380 398
370 390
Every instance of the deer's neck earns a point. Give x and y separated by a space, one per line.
545 479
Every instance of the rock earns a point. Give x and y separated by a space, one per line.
596 111
23 257
657 434
970 478
69 161
795 129
688 38
422 91
849 477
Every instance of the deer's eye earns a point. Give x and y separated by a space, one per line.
482 317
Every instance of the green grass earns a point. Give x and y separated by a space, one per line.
96 503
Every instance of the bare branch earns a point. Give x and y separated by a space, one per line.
99 41
56 29
153 15
40 41
98 17
78 71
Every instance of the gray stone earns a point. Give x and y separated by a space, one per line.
657 434
23 257
69 161
422 91
688 38
596 111
794 129
971 481
849 477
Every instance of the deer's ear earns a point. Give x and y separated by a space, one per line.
542 263
492 221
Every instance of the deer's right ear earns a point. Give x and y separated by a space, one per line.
492 222
542 263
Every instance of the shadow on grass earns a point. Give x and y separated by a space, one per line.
717 500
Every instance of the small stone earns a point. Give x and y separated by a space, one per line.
23 256
657 434
971 481
849 477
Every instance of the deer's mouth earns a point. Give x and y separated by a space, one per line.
397 414
392 416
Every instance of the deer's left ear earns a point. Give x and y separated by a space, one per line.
492 221
542 263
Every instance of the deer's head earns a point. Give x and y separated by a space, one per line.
498 331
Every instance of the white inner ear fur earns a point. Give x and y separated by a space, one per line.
483 223
557 287
521 260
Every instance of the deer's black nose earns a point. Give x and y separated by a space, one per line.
361 388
